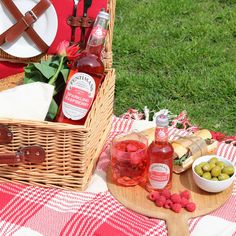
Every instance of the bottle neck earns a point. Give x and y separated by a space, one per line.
161 134
94 49
97 37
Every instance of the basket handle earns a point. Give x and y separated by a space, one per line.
34 154
6 135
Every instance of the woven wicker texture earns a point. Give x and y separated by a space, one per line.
71 151
11 81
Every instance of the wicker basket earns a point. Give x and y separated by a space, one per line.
71 151
107 55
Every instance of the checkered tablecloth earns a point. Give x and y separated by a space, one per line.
30 210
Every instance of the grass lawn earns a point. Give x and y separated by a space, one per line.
179 55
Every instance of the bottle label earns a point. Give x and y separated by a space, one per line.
159 175
161 134
78 96
99 32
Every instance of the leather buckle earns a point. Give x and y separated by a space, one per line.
32 154
29 18
24 22
32 14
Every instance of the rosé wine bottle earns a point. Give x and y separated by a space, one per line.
86 76
160 158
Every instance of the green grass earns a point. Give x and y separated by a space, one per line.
179 55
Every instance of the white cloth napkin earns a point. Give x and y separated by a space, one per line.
28 101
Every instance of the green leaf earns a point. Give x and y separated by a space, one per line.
52 112
53 71
48 61
28 68
34 76
58 87
28 80
54 63
65 73
46 70
181 160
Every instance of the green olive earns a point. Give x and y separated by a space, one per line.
212 165
223 177
229 170
198 170
216 171
206 167
214 179
213 160
202 164
221 164
206 175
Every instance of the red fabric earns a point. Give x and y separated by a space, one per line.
64 9
8 68
31 210
217 135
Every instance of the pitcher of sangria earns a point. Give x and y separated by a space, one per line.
129 159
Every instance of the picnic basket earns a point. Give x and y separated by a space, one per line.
71 150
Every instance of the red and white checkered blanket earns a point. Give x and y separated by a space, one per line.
31 210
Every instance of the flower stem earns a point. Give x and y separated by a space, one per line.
54 78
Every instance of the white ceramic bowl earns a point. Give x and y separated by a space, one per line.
210 185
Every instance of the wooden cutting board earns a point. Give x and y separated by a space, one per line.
135 198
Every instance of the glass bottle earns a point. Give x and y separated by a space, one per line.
160 158
85 77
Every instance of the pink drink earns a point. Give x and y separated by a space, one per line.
128 158
160 157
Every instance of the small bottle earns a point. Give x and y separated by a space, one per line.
160 158
85 77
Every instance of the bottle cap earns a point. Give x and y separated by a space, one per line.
162 120
104 14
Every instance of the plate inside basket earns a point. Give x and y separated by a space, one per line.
46 27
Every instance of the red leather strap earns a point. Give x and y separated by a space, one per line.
6 135
34 154
24 23
10 158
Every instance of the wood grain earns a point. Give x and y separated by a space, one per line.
135 198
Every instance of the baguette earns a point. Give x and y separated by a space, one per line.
188 149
